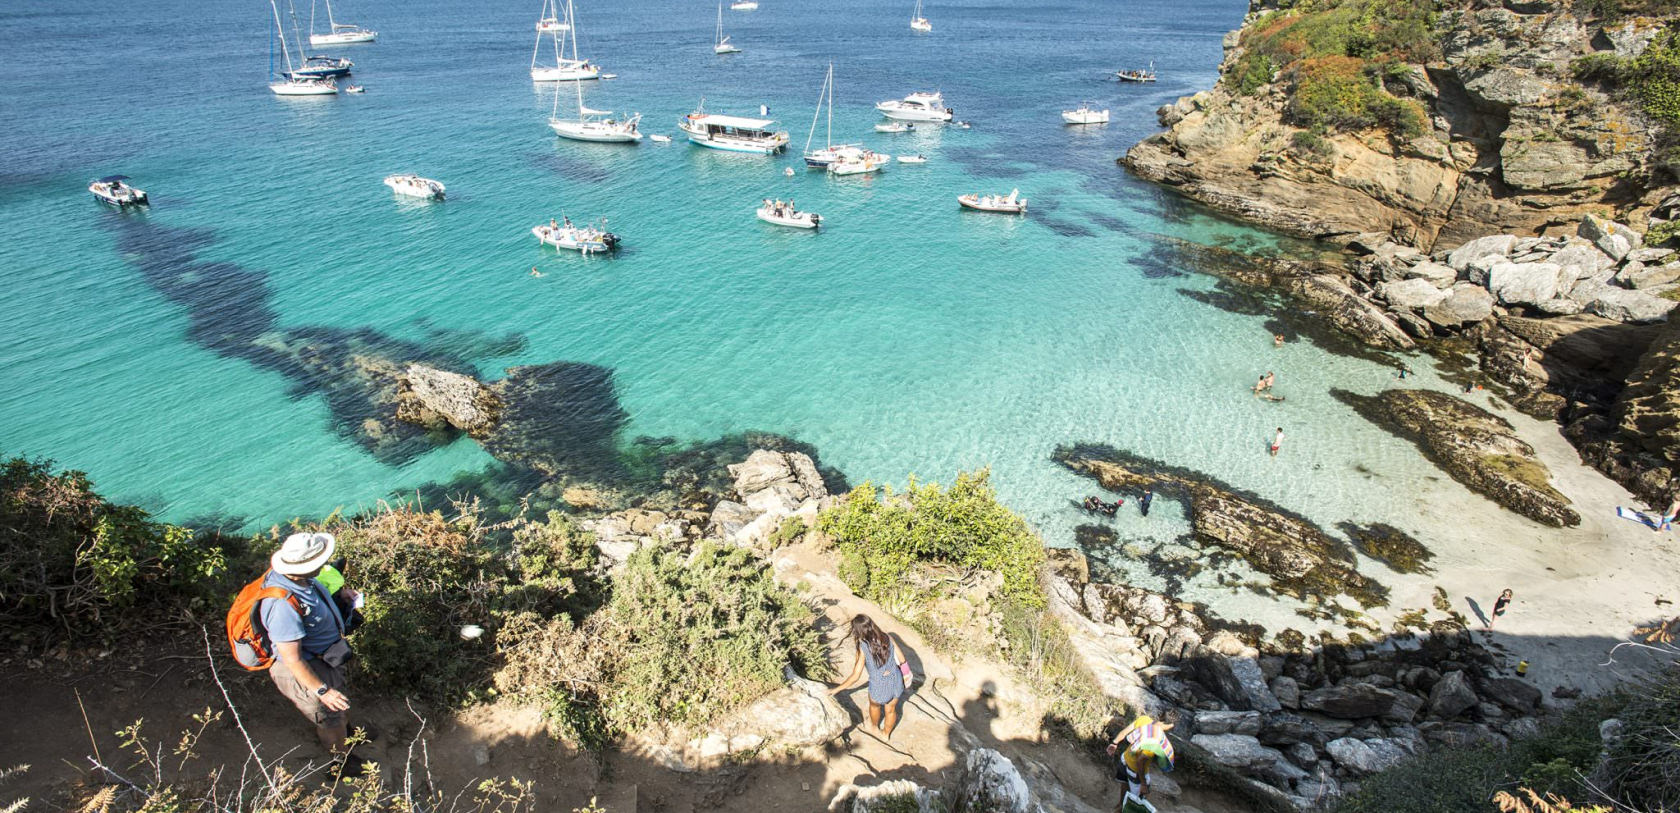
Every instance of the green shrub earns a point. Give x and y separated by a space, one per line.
75 567
882 536
1662 233
1603 67
1337 93
1655 78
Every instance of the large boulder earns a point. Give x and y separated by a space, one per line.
1437 274
1238 751
432 398
1465 304
1360 700
1474 446
1610 237
1451 695
1580 260
1349 311
1228 722
1633 307
1513 693
1411 293
1481 248
1524 283
1365 757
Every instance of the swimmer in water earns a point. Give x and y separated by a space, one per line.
535 272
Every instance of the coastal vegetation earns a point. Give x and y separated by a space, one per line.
1651 80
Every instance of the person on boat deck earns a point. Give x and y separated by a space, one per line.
552 224
567 220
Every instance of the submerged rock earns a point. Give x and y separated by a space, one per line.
433 398
1474 446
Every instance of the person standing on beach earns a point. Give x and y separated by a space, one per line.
1147 498
1668 516
882 664
1277 441
1499 606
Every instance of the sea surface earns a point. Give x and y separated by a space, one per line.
907 337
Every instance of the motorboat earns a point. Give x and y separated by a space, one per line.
338 33
912 159
916 107
111 189
582 239
1085 114
743 5
1139 75
723 45
918 22
660 139
594 125
785 215
415 186
324 67
565 68
355 89
1012 205
894 127
823 158
291 83
733 133
859 164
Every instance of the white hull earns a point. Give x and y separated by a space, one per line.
797 220
1085 116
414 186
552 27
343 38
565 74
660 139
731 145
911 159
922 25
304 88
595 131
913 115
858 167
747 6
125 196
1012 205
584 240
725 48
916 107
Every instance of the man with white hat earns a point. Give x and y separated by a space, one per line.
309 643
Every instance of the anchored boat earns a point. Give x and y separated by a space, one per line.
785 215
723 45
916 107
1085 114
582 239
564 69
415 186
1012 205
733 133
111 189
338 33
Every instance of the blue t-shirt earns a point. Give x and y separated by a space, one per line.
319 627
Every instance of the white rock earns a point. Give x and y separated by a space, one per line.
1441 276
1636 307
1467 303
1239 751
1228 722
1524 283
1412 293
1364 757
1498 244
1581 259
1611 237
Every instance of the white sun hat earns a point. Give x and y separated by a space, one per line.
302 554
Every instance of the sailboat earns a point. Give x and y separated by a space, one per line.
723 45
918 22
339 33
550 22
594 125
830 152
565 69
292 84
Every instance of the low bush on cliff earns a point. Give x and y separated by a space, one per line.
1651 79
77 568
883 536
1339 93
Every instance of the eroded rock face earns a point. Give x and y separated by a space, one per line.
1358 700
434 398
1474 446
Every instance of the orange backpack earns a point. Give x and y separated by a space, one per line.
246 635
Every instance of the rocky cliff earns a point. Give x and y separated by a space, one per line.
1437 128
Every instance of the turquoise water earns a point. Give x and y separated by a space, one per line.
907 337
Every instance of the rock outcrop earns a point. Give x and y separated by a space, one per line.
436 398
771 487
1637 440
1474 446
1510 143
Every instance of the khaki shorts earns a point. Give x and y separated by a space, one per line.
306 700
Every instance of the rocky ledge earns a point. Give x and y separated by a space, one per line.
1304 724
1474 446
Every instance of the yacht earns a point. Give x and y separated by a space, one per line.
564 69
324 67
918 22
785 215
743 5
338 33
723 45
415 186
594 125
291 83
1012 205
582 239
733 133
549 22
916 107
830 151
111 189
1085 114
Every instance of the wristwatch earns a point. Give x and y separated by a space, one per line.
322 692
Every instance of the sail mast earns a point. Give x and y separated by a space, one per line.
280 30
571 24
818 112
829 83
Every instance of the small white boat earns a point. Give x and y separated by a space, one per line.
1085 114
111 189
786 215
660 139
304 87
918 22
355 89
858 164
338 33
723 45
1012 205
894 127
733 133
743 5
415 186
582 239
916 107
912 159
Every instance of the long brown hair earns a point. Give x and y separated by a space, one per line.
866 633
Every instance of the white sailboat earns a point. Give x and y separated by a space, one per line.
565 69
594 125
918 22
338 33
831 152
743 5
723 46
291 84
550 22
